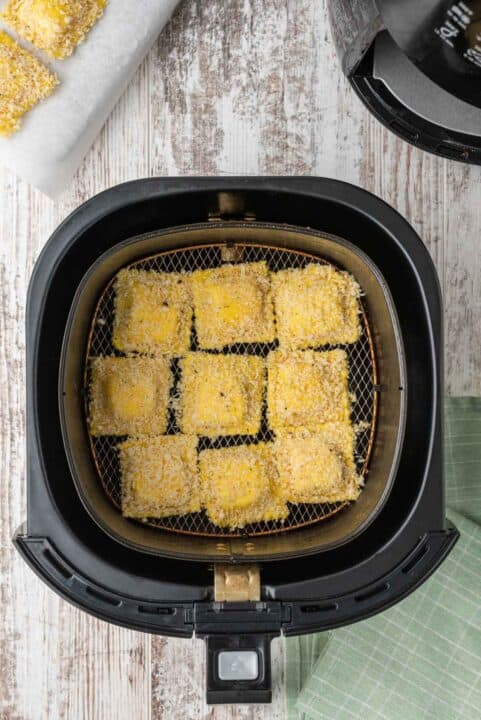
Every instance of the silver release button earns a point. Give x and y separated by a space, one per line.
238 665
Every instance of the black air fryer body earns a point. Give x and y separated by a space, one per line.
416 64
401 547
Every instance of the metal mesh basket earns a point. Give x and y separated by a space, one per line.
362 385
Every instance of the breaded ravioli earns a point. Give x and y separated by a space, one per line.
129 396
316 466
316 305
237 486
233 304
221 394
159 476
153 313
307 387
24 81
55 26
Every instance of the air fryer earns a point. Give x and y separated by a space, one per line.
417 67
237 590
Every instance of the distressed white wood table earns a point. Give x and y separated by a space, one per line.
231 87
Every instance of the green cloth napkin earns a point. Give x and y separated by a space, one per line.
420 660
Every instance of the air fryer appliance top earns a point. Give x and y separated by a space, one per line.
417 66
443 39
137 588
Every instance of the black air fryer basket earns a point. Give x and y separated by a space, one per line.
321 571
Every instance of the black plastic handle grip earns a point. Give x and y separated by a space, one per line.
255 690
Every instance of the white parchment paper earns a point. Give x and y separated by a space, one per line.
57 133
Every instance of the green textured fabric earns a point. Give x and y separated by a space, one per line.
420 660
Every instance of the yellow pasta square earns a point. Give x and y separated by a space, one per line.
316 466
153 313
159 476
55 26
129 396
233 304
316 305
23 82
307 387
237 486
221 394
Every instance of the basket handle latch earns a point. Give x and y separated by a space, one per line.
237 583
230 206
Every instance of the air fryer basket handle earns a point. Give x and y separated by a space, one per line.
238 668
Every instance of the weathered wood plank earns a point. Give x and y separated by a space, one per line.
442 200
410 180
462 278
56 661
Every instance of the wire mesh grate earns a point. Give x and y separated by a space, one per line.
362 385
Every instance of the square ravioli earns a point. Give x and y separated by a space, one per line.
237 486
55 26
307 387
233 304
316 466
159 476
153 312
129 396
221 394
24 81
316 305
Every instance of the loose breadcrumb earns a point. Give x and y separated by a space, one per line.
233 304
307 387
153 312
55 26
237 486
221 394
316 466
316 305
159 476
129 396
24 81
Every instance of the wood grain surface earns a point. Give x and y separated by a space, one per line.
231 87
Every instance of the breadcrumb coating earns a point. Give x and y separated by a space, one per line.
316 466
24 81
153 312
129 396
159 476
307 387
221 394
233 304
237 486
55 26
316 305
